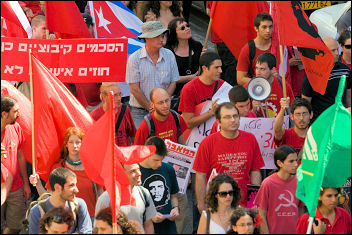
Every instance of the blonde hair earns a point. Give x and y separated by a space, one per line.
104 86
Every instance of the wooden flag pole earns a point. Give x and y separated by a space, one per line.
283 72
32 107
208 32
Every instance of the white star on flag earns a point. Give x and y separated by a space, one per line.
102 22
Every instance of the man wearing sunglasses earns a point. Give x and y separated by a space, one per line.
301 114
321 102
230 151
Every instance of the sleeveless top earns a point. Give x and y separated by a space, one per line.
215 228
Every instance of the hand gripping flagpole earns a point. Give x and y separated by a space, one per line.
32 107
112 126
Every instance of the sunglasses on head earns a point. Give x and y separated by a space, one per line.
184 27
348 46
224 193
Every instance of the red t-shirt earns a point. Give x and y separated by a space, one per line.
273 101
341 225
216 128
194 93
243 58
4 173
165 130
84 185
278 198
126 128
343 61
13 139
235 157
214 38
292 139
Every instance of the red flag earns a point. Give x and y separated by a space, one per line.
295 29
25 119
16 23
97 142
55 109
65 18
235 33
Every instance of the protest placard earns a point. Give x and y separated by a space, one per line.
181 157
70 60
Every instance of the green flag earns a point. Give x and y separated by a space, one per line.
326 160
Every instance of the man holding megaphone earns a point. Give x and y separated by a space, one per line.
259 89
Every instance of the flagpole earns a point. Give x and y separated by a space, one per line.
208 32
282 68
309 230
32 107
112 126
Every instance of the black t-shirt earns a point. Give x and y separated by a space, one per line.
322 102
182 64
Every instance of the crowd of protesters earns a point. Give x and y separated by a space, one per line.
168 78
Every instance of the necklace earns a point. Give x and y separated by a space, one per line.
221 221
76 163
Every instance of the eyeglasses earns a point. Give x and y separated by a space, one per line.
348 46
297 115
224 193
184 27
244 225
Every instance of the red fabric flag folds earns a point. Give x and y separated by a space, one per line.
295 29
55 109
25 118
65 18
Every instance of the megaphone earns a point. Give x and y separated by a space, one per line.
259 88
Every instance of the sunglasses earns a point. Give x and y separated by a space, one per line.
346 46
184 27
224 193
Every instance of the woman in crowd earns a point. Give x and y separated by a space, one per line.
330 219
70 159
163 11
57 220
345 43
222 199
187 52
124 226
244 221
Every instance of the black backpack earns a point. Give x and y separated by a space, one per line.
151 126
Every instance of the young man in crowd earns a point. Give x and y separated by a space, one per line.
144 210
278 206
301 114
63 183
229 151
12 157
160 179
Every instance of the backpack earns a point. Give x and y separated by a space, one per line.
151 126
146 202
41 202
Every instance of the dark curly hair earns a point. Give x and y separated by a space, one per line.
237 214
122 220
154 6
172 40
211 198
58 215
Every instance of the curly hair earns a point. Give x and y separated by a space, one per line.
122 220
238 213
211 198
172 40
154 6
58 215
64 151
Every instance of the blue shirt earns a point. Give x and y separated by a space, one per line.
84 221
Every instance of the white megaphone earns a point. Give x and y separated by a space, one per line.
259 88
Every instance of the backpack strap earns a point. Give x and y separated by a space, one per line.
73 205
42 207
208 221
150 123
251 46
119 119
177 121
215 88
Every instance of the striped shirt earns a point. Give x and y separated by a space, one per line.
140 68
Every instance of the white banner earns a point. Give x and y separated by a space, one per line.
181 157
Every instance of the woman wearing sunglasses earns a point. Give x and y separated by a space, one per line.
58 220
187 52
345 43
222 199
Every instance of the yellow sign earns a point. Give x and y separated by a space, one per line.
308 5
